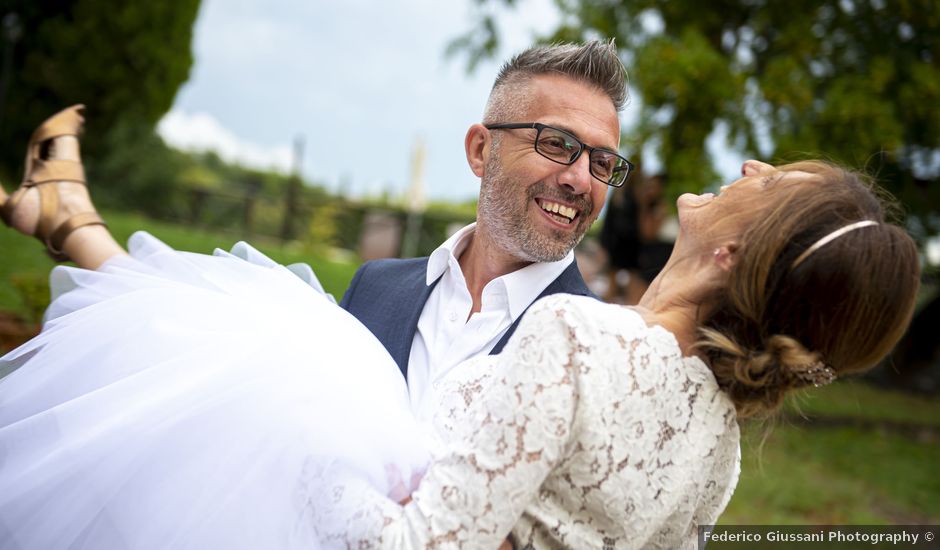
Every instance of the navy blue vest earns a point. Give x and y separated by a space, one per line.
387 296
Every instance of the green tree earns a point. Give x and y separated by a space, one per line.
124 60
139 171
855 81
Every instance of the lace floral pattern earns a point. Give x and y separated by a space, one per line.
581 434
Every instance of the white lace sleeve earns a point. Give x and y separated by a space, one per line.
474 494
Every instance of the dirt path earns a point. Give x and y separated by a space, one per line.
14 331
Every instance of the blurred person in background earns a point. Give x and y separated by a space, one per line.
630 235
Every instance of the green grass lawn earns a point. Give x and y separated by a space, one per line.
23 262
861 470
866 403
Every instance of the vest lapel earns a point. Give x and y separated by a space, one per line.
413 296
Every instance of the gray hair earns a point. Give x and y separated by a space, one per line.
595 63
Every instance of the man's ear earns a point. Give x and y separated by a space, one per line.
477 146
726 256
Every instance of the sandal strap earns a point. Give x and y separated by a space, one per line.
40 171
45 171
48 208
54 237
55 241
67 122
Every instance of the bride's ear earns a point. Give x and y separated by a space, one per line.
726 255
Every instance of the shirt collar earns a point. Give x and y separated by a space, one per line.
522 286
451 248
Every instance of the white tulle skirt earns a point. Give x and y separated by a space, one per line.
174 400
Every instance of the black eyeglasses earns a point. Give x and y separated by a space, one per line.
564 148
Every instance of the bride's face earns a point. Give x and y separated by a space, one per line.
709 218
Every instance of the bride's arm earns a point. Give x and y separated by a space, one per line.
474 494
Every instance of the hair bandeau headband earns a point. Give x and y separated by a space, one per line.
829 238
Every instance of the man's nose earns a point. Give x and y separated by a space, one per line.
576 177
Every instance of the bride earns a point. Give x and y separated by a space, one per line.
178 400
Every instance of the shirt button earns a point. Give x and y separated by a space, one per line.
452 316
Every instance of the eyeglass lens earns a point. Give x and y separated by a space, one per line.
563 147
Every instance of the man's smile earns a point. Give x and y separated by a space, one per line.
558 212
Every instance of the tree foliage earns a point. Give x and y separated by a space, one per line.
855 81
124 60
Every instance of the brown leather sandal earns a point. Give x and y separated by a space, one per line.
43 173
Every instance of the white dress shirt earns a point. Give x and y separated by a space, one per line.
448 334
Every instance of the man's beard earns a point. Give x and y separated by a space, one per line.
503 210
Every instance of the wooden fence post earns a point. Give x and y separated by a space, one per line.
291 208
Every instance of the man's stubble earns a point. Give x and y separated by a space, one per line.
503 210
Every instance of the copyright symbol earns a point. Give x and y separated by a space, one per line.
928 536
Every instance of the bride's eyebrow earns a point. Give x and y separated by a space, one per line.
772 178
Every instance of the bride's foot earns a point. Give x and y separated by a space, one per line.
53 201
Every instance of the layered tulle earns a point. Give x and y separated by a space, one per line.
178 400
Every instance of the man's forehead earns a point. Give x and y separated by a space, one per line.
574 106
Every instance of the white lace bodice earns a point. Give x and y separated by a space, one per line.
590 430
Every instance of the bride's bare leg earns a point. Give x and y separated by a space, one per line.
88 246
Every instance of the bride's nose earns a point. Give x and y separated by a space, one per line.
753 167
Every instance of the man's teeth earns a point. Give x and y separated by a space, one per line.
561 209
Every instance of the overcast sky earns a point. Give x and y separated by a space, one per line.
360 80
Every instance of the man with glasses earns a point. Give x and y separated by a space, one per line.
546 153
